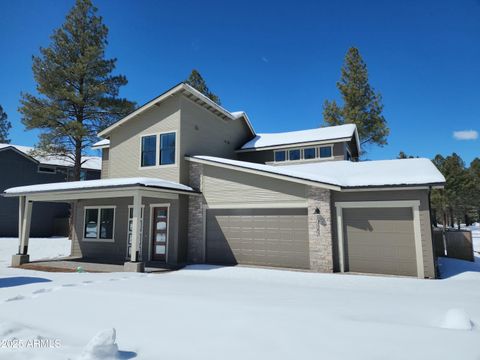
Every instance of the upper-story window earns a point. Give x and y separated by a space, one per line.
167 149
163 144
309 153
280 155
294 154
149 150
325 151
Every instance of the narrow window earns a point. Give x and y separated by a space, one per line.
280 155
106 223
167 149
326 151
309 153
149 148
294 154
91 218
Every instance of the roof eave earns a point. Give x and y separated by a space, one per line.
102 188
303 143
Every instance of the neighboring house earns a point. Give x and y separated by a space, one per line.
186 181
22 167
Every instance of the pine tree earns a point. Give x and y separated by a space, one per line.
403 155
456 202
196 81
79 95
5 127
361 104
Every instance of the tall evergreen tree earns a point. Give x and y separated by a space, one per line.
456 203
196 81
361 104
79 94
5 127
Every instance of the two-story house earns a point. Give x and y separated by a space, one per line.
186 181
22 166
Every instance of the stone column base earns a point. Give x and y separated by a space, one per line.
19 259
134 267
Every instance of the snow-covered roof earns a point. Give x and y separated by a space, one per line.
99 184
189 92
348 174
104 143
302 136
89 162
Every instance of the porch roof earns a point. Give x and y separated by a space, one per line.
103 185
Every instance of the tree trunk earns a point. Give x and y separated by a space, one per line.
77 168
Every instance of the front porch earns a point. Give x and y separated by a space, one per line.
132 224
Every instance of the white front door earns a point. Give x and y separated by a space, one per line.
129 233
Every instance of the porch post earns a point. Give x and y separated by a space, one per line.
27 219
134 265
24 220
21 210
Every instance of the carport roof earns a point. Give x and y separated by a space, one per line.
346 174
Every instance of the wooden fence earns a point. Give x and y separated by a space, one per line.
455 244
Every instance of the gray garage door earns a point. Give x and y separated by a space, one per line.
380 241
269 237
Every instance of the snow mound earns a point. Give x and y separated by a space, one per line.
101 346
457 319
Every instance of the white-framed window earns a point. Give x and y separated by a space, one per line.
167 149
294 154
325 151
280 155
99 223
47 169
130 232
309 153
158 150
148 149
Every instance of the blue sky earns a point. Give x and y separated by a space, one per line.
279 61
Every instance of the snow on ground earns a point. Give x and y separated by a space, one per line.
206 312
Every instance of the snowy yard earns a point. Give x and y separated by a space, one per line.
237 313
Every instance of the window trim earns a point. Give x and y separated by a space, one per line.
99 208
156 147
331 152
317 153
157 150
142 217
282 161
299 150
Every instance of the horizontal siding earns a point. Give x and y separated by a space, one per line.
125 142
222 186
204 133
105 163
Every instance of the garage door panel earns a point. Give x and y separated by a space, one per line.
271 237
380 241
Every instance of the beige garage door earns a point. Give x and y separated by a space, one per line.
380 240
269 237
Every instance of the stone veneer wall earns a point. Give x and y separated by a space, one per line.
196 248
320 229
